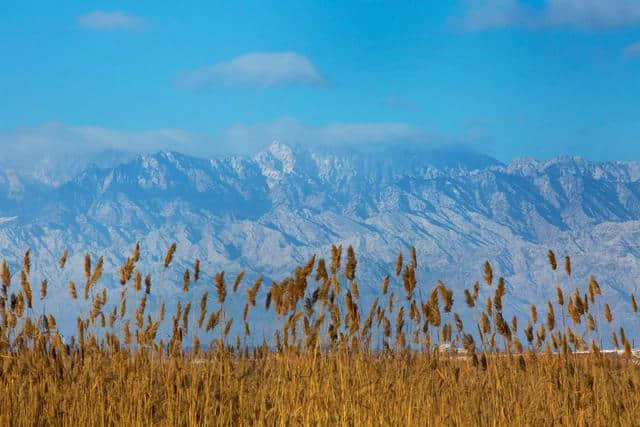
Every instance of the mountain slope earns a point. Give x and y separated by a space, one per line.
267 213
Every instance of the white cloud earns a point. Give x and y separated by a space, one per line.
632 50
585 14
258 69
52 140
141 141
60 151
52 137
109 21
292 131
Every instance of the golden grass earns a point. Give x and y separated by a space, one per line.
333 389
330 361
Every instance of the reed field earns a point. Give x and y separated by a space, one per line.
406 358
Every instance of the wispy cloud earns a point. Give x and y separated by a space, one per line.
61 150
632 50
52 143
109 21
52 137
585 14
292 131
258 69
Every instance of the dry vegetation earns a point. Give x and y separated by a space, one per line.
403 360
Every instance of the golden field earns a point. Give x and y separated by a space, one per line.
402 360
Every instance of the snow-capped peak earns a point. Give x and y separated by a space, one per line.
276 161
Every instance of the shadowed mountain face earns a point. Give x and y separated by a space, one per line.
268 213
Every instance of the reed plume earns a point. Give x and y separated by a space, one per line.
469 298
123 303
26 288
614 340
136 252
221 287
238 280
409 280
534 314
596 286
196 270
87 266
186 279
113 316
551 256
321 271
26 262
350 269
137 280
97 271
43 289
414 258
551 318
169 255
591 323
253 291
147 284
528 333
607 313
72 290
336 254
385 285
63 259
227 328
6 278
488 273
560 296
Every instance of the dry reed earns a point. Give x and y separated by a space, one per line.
397 363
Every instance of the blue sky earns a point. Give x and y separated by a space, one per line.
510 78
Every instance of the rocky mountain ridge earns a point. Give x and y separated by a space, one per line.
267 213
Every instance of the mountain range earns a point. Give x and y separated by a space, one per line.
267 213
